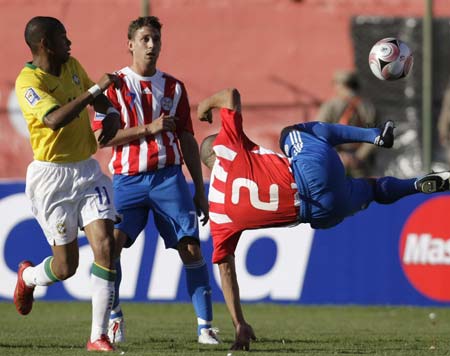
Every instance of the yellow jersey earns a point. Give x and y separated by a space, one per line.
40 93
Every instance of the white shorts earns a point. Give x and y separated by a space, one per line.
68 196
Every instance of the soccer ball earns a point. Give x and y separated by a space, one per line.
390 59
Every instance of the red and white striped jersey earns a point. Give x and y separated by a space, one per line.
141 100
250 187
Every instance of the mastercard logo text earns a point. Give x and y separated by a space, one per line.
425 248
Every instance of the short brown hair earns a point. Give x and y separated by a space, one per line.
146 21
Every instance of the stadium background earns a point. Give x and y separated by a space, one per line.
281 54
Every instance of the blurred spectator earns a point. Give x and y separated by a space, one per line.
444 123
349 108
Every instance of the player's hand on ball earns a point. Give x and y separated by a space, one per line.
244 333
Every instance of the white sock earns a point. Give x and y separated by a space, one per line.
39 275
102 300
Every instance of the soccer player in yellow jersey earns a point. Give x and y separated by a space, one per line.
65 185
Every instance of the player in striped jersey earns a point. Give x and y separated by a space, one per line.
66 187
252 187
155 139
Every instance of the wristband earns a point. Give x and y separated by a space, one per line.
95 90
112 110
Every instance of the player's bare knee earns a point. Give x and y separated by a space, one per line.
103 248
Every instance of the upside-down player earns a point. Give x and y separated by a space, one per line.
252 187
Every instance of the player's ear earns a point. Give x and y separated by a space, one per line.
130 46
44 43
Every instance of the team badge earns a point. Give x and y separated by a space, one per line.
166 103
32 97
61 228
75 79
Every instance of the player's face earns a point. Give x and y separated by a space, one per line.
58 45
145 46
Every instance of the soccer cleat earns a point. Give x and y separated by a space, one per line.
23 295
208 336
116 330
386 138
102 344
433 182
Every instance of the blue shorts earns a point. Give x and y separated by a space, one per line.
166 193
327 195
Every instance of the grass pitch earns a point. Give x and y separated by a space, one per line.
170 329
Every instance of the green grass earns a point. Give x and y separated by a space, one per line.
169 329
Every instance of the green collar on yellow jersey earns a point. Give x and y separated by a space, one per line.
30 65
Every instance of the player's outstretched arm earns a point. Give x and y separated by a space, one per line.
230 287
227 98
64 115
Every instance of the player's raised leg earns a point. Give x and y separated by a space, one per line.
433 182
28 277
390 189
335 134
